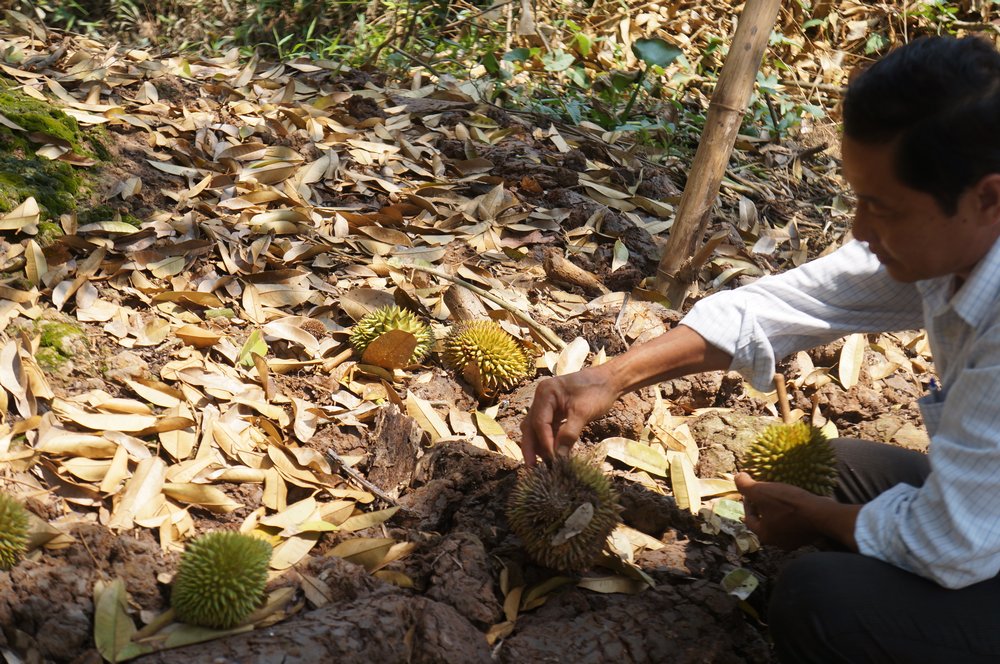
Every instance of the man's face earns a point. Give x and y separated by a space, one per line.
906 229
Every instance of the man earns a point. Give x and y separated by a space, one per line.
921 150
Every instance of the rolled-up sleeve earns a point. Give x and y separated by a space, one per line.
844 292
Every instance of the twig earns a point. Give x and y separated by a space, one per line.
470 17
413 58
774 115
332 363
359 478
822 87
545 333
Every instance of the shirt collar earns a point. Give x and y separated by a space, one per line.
978 295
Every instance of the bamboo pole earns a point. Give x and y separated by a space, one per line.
783 407
725 113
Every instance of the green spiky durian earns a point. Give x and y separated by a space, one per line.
797 453
380 321
563 513
13 531
221 578
486 355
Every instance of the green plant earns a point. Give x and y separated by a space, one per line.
655 52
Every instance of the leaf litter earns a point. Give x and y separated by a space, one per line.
217 388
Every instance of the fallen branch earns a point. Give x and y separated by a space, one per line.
545 333
360 479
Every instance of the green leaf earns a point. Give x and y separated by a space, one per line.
623 80
740 582
876 42
113 629
584 44
558 60
518 55
578 75
255 344
491 64
655 51
620 255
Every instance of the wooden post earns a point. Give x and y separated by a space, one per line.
725 113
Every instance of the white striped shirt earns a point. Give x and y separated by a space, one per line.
949 529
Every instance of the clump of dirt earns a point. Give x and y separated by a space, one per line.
46 601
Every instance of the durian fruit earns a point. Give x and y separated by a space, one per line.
487 356
13 531
380 321
221 578
563 513
796 453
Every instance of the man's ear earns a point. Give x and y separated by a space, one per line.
987 199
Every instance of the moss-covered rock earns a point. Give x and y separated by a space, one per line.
48 233
39 117
49 359
64 337
52 183
107 213
55 184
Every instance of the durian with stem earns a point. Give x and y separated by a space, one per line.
221 579
486 356
793 452
13 531
564 512
387 319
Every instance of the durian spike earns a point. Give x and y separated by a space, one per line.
779 386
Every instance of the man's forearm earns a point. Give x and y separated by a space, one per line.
679 352
835 520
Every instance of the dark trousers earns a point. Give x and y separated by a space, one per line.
847 608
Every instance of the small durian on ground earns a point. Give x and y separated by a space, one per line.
486 356
13 531
384 320
797 454
563 513
221 579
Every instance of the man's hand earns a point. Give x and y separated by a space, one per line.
565 404
776 512
789 517
562 407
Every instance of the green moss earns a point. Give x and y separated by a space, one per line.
38 116
107 213
49 359
48 233
55 184
98 138
60 336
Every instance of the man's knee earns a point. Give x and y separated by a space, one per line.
807 605
793 599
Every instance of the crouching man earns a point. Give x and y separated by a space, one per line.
917 579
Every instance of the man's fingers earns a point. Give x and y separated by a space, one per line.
569 431
743 482
536 431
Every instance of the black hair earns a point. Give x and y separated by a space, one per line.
938 100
